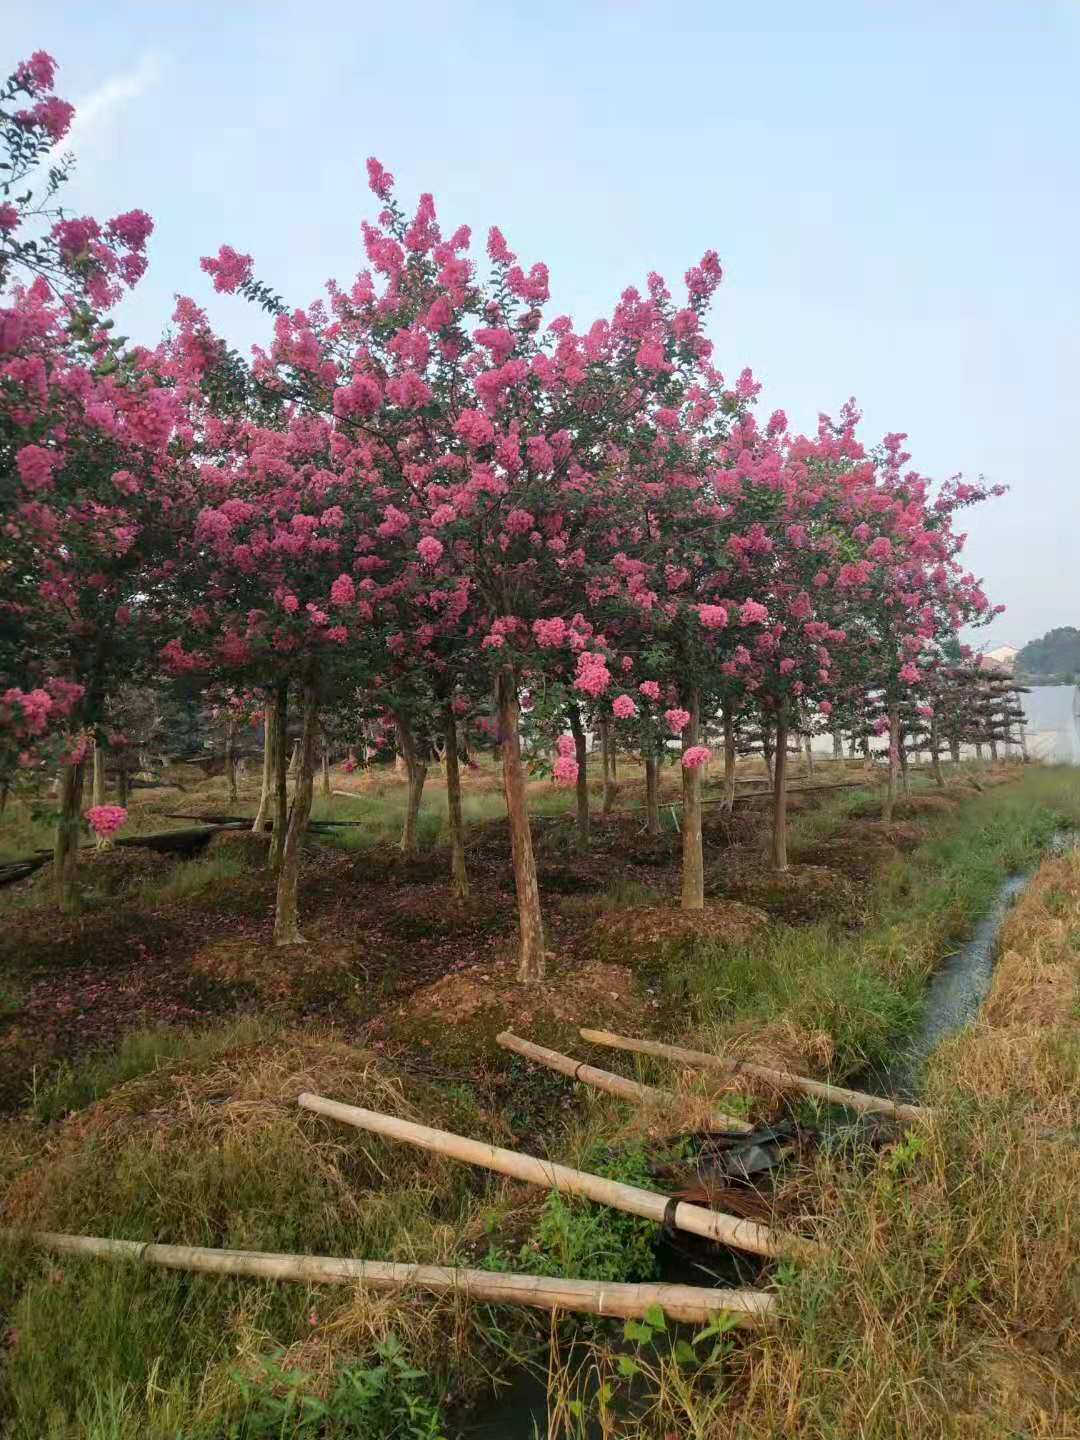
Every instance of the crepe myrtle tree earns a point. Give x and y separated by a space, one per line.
906 580
85 429
266 574
484 438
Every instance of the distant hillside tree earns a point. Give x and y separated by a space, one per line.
1057 653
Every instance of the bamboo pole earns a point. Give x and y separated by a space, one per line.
630 1090
693 1303
836 1094
695 1219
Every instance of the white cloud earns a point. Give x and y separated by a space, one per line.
99 106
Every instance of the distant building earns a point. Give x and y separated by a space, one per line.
1002 657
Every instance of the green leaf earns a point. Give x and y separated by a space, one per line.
654 1316
628 1366
684 1353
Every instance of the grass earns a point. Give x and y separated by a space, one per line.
862 987
953 1269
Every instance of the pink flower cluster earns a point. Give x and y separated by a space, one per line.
105 820
677 720
623 707
565 769
593 677
696 757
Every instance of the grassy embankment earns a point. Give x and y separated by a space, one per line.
952 1255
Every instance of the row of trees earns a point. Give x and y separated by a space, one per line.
425 503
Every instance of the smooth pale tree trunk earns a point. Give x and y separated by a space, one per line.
531 964
325 770
904 772
416 771
66 843
779 825
935 753
1023 744
837 744
267 768
808 750
281 775
894 762
652 791
993 749
459 875
294 763
286 915
230 760
729 760
767 749
693 858
581 785
607 747
97 789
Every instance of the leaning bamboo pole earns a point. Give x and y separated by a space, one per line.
631 1090
835 1094
695 1219
692 1303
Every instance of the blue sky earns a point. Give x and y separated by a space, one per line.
893 190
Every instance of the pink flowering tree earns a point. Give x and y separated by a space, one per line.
484 439
85 431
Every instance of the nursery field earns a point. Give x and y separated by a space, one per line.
155 1042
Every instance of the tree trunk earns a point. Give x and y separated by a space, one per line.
652 790
1023 744
531 959
326 770
66 844
808 750
416 771
607 747
97 791
286 916
267 767
281 775
581 785
904 774
993 749
459 875
954 749
124 779
978 750
837 744
894 762
767 750
294 763
935 753
693 859
779 826
230 760
729 760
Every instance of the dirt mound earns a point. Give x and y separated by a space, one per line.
306 974
463 1012
799 894
648 927
857 856
243 845
228 1103
900 835
927 805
